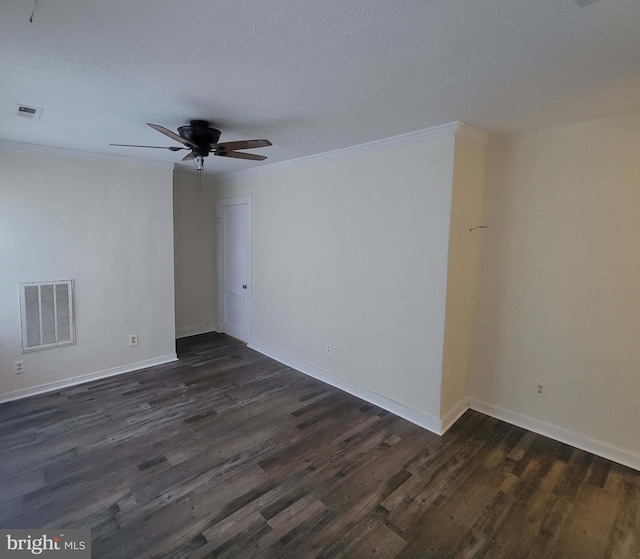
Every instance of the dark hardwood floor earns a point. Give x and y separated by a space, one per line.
230 454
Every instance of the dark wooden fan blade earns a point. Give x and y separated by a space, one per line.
188 156
173 135
172 148
242 144
241 155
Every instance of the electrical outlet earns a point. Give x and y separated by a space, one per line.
328 350
541 389
18 367
133 340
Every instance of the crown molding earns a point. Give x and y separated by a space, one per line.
450 129
472 134
6 145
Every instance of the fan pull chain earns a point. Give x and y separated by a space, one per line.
34 11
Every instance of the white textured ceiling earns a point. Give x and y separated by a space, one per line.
311 76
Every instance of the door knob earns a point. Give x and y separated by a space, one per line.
244 287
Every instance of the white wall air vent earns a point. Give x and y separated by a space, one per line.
47 314
27 112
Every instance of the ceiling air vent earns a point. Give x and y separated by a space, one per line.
27 112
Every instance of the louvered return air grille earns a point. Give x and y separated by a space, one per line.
47 314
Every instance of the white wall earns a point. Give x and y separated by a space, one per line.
560 285
353 252
195 254
465 247
106 225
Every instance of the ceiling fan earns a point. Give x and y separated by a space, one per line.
202 140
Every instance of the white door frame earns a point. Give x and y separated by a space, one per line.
233 202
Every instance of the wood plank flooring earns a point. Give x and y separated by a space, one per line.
230 454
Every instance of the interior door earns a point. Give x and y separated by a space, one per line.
234 267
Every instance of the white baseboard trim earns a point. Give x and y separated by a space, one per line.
194 331
610 452
453 415
418 418
66 383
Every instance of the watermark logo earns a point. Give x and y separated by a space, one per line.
72 544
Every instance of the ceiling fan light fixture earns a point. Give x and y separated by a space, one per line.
201 140
199 162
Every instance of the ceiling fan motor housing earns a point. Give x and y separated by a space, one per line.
201 135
